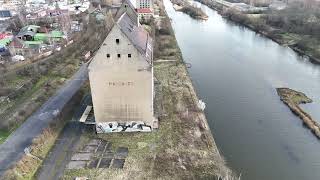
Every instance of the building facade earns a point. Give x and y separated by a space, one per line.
145 13
121 79
144 4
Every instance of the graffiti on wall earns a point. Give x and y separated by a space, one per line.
133 126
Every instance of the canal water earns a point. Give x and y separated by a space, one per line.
235 71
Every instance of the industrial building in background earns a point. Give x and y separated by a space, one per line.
143 8
121 78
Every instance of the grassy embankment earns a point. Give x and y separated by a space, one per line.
185 7
28 165
24 90
296 26
292 99
3 136
182 147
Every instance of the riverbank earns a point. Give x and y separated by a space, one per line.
185 7
292 99
256 24
287 150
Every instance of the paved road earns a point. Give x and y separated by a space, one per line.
13 148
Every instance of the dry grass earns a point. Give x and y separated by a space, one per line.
24 169
293 96
29 163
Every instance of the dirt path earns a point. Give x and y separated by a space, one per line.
53 166
55 163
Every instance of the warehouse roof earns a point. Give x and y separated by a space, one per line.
137 35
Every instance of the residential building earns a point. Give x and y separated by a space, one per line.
144 8
14 2
145 13
18 47
27 33
139 7
144 4
121 79
5 14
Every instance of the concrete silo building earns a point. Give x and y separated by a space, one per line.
121 79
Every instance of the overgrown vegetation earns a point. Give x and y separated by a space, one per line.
26 88
189 9
194 12
28 165
292 99
298 20
297 26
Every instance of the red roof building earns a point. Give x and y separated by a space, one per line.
4 35
144 10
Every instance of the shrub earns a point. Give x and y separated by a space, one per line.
164 31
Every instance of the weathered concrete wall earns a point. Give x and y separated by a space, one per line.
121 87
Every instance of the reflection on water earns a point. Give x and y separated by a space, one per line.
235 71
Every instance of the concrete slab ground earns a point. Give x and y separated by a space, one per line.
102 146
122 153
94 142
93 164
82 157
77 164
108 155
108 147
89 149
118 163
105 163
98 154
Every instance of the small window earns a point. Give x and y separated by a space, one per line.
119 55
117 41
108 55
129 55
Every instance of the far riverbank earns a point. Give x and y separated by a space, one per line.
186 7
267 31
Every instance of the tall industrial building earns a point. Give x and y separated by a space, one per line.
121 79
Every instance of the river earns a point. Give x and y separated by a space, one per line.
235 71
